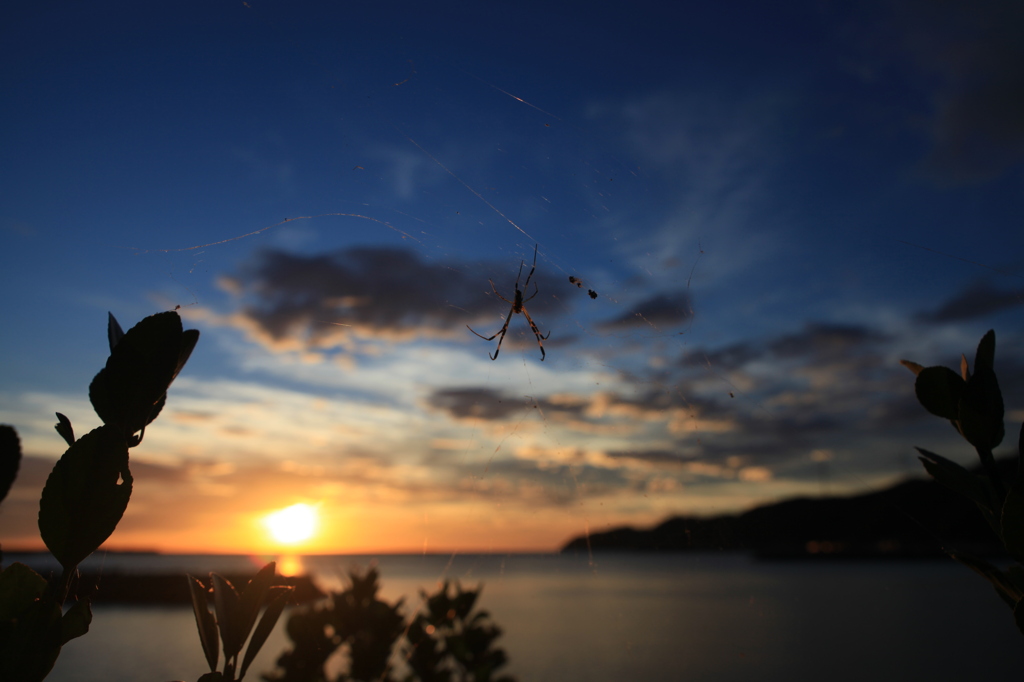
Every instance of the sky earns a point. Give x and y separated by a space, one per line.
734 220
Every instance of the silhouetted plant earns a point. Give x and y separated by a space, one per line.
448 643
85 497
443 644
87 491
973 403
233 618
10 458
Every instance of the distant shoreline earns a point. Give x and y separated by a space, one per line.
915 519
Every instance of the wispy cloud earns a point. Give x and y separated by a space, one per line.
715 153
976 301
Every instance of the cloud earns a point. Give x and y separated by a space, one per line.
574 411
669 457
335 300
803 391
789 394
578 414
549 480
825 342
379 290
475 403
852 346
726 358
978 300
661 310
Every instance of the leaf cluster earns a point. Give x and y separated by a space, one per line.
446 643
233 617
973 403
87 491
451 643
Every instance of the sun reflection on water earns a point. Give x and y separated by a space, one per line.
290 565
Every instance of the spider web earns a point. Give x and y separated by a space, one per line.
345 293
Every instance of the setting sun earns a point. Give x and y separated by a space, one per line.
292 524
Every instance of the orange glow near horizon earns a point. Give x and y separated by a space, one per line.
341 529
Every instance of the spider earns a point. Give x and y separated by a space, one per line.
517 307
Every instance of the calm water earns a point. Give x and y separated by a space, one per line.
626 617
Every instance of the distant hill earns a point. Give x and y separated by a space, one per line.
917 518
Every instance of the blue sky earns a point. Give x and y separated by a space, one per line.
772 205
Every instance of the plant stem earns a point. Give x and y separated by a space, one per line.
58 590
65 585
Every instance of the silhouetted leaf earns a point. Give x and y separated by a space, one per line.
939 390
253 598
464 601
265 627
114 331
63 427
1005 587
912 366
205 622
75 622
10 458
1020 452
978 428
29 625
226 604
85 496
985 357
981 410
957 478
19 587
129 391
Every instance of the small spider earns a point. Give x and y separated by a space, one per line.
517 307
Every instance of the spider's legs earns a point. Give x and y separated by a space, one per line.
485 338
502 332
536 290
532 268
517 307
536 332
497 294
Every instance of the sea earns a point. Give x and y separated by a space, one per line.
621 617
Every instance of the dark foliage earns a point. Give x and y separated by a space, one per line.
973 404
448 643
10 458
86 493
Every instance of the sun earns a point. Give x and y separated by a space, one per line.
292 524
